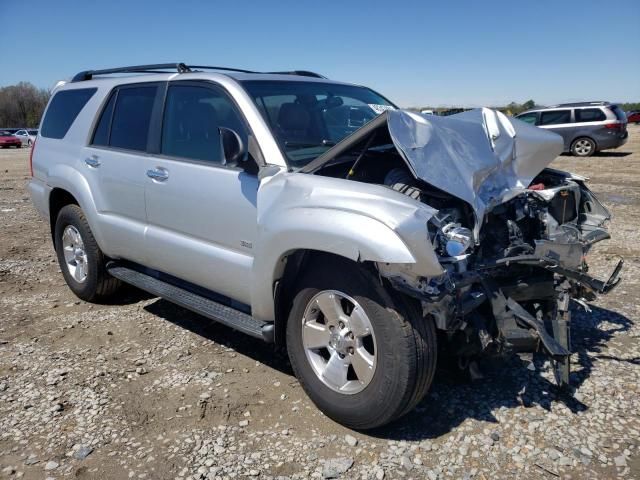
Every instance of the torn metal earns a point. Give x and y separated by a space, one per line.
510 235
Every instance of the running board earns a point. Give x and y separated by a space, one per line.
197 303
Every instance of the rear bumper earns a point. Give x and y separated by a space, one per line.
39 192
612 141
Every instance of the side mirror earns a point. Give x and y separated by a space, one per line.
233 150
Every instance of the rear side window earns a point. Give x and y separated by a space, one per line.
63 110
101 134
131 117
590 115
620 115
555 117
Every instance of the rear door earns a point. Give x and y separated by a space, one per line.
560 122
201 211
115 161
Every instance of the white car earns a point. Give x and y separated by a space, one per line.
27 137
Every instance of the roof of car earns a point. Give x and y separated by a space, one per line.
561 106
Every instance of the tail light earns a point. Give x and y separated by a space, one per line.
33 147
613 126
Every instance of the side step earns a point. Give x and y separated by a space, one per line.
197 303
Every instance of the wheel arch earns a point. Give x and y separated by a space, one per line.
58 199
293 264
580 137
69 186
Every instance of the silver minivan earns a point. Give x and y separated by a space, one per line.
586 127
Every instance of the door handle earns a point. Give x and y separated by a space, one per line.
92 161
158 174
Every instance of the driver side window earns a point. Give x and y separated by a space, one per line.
529 118
192 118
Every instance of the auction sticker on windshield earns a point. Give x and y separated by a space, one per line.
380 108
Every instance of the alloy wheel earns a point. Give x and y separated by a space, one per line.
339 342
75 255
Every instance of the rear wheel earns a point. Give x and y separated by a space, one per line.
81 260
583 147
363 357
29 143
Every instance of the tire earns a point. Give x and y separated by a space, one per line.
583 147
72 231
402 344
29 143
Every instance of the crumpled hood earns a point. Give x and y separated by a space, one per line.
480 156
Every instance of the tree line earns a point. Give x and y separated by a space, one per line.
21 105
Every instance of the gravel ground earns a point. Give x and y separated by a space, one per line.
144 389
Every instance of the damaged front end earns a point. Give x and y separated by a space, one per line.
510 234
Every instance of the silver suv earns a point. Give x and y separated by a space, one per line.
585 127
315 215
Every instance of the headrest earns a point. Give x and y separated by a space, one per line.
293 116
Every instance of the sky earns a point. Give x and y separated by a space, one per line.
415 52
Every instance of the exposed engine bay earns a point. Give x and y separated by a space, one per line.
511 235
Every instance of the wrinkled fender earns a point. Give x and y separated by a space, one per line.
359 221
68 178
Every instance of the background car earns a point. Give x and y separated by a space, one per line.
27 137
633 117
7 139
586 127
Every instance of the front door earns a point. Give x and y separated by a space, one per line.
201 210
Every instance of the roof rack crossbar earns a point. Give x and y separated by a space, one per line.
180 68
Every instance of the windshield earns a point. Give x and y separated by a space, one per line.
4 133
308 118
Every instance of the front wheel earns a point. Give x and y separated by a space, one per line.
363 357
583 147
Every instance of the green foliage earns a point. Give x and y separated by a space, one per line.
21 105
630 107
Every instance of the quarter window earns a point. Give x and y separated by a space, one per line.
590 115
131 117
555 117
192 118
63 110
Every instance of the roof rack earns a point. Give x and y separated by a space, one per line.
580 104
179 68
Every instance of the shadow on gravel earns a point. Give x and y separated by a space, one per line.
604 154
244 344
508 383
127 295
608 153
